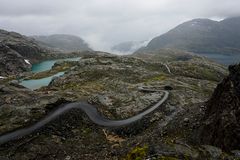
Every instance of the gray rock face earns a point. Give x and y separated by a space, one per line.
222 118
26 47
11 62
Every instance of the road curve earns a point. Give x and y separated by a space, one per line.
91 112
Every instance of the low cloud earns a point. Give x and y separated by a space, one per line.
107 22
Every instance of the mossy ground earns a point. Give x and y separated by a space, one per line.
137 153
111 83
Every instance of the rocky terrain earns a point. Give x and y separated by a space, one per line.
63 42
12 62
18 52
221 121
111 84
26 47
201 36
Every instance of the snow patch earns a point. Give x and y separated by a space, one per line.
1 77
27 61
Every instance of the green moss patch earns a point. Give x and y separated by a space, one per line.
137 153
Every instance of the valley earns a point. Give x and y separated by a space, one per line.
111 83
175 98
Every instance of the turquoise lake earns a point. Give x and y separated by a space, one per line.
40 67
38 83
47 65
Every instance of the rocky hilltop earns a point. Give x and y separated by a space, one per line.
222 117
26 47
201 36
11 62
17 53
63 42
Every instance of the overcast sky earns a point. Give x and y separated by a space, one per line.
103 23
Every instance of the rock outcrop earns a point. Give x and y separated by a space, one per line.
222 117
11 62
26 47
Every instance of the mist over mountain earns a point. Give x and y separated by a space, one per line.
87 80
201 36
63 42
129 46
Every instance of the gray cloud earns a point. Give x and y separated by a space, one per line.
103 23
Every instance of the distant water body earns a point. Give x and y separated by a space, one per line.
47 65
40 67
223 59
38 83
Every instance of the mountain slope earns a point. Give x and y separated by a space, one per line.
17 52
26 47
61 42
11 62
201 36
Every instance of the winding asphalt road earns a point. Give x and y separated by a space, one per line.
91 112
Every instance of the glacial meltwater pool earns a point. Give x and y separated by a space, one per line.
38 83
47 65
40 67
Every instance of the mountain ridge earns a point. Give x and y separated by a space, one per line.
201 36
25 46
62 42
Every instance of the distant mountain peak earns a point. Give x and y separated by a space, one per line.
201 36
63 42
